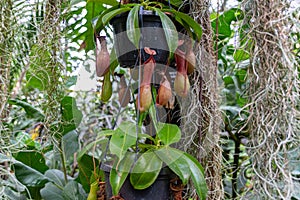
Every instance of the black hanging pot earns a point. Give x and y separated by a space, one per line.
159 190
153 36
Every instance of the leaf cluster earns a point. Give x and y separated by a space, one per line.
143 161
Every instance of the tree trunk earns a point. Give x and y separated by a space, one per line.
5 54
201 116
274 96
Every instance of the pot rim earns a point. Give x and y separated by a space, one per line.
163 171
147 13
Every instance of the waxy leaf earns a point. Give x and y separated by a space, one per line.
132 26
32 159
175 161
99 25
70 144
74 2
107 17
145 171
74 191
176 3
71 81
241 55
107 2
152 112
86 166
29 176
190 22
120 171
170 31
56 176
123 138
30 110
71 115
62 190
197 175
224 22
93 9
168 133
51 192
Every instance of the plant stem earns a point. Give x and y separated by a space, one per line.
62 156
236 158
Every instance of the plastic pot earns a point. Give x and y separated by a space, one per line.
152 36
159 190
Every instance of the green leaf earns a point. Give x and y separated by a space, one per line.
196 28
93 9
175 161
51 192
187 22
89 38
241 74
176 3
10 193
30 110
152 112
170 31
71 81
34 80
11 187
29 176
86 170
35 192
224 22
233 14
120 171
123 138
70 144
71 115
105 133
235 110
32 159
197 175
241 55
74 191
168 133
99 24
145 136
228 80
240 100
74 2
145 171
107 2
56 176
100 140
107 17
296 192
132 26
